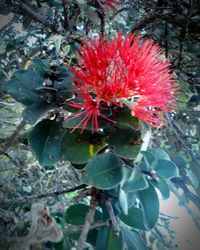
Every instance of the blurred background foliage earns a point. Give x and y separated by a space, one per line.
54 30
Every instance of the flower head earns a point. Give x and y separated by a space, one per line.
129 72
110 4
105 4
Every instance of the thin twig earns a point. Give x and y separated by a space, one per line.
88 221
38 3
100 13
77 228
182 139
37 17
66 24
187 77
112 217
56 193
11 158
118 12
153 14
10 141
166 39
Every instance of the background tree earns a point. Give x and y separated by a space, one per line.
39 39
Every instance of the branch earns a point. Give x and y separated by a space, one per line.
112 217
56 193
152 16
184 203
38 3
11 158
37 17
66 24
187 77
10 141
77 228
88 221
118 12
183 140
101 14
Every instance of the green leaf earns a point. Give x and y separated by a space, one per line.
30 78
92 236
124 117
180 161
148 162
193 178
26 21
123 201
134 219
150 205
132 199
76 214
124 142
45 139
67 48
36 111
159 153
61 72
163 187
22 87
137 183
79 148
107 240
41 66
57 42
132 240
167 169
65 89
64 244
104 171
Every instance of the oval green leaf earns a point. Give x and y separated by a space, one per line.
134 219
132 240
79 148
167 169
76 214
45 139
125 142
163 187
22 86
150 205
104 171
107 240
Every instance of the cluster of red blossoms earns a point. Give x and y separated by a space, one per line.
106 4
122 72
110 4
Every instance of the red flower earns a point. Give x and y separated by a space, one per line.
90 110
110 4
105 4
127 72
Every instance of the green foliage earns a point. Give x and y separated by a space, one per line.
75 214
34 73
125 118
124 142
104 171
108 240
23 85
45 139
134 219
135 182
79 148
132 240
163 187
150 205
